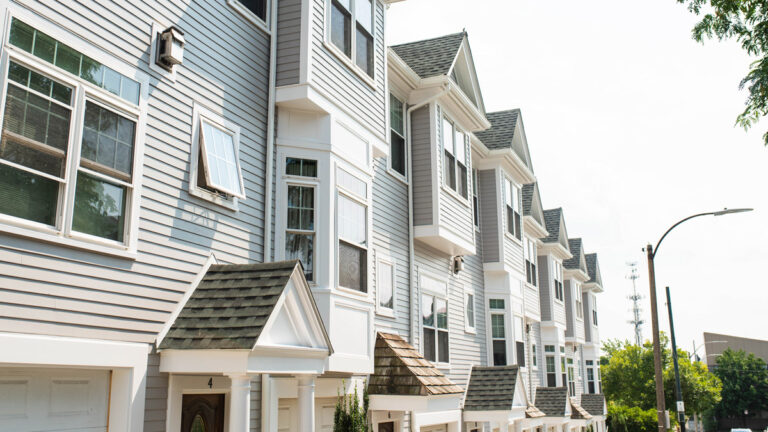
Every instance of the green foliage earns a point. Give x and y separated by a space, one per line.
622 418
746 21
628 378
349 415
745 384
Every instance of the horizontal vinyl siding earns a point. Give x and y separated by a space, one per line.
345 87
256 403
489 215
570 318
421 149
288 42
535 338
587 316
156 405
455 212
390 238
545 289
51 289
531 301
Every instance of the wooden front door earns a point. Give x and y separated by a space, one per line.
202 413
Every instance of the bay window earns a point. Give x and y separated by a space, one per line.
590 377
594 310
357 43
579 304
397 151
498 332
300 213
352 214
434 320
512 201
454 158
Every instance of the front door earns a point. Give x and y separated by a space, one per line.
202 413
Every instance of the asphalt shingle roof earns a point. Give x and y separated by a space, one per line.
592 266
399 369
593 403
552 221
230 306
431 57
577 412
491 388
575 246
502 130
551 400
528 198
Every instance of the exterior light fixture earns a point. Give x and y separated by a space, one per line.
170 51
458 264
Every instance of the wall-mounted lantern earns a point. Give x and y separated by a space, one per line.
458 264
170 51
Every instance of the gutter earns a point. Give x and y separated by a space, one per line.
411 248
267 254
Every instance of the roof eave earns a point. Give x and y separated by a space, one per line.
557 249
509 155
402 70
534 227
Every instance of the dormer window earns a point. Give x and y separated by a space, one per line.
512 200
454 158
357 44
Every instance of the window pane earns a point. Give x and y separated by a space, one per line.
27 196
364 15
300 247
364 51
352 221
301 167
461 154
462 181
397 153
550 364
258 7
384 285
396 115
496 303
428 311
470 308
442 346
499 353
107 139
520 347
99 208
429 344
497 326
353 263
449 170
508 192
221 159
340 28
448 136
351 183
301 208
441 312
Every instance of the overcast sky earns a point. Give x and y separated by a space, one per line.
630 125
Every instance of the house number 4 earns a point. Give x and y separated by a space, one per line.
210 382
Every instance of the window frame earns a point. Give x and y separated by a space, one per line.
351 60
342 191
519 336
455 129
62 231
313 232
512 195
530 253
470 327
500 312
435 297
234 131
549 357
475 201
394 172
262 24
579 304
558 282
386 260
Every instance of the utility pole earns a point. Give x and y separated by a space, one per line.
636 322
678 391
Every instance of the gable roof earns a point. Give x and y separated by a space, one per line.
576 262
593 269
552 400
231 305
399 369
502 130
577 412
431 57
593 403
491 388
528 198
555 225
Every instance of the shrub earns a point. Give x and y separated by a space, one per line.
349 415
622 418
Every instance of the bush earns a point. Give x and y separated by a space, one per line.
350 416
622 418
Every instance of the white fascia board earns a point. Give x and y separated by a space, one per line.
503 417
577 274
204 361
287 361
461 104
592 287
399 69
555 249
66 351
516 165
533 228
420 404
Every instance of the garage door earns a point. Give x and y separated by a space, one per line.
436 428
53 400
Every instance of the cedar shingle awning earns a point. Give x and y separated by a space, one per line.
577 412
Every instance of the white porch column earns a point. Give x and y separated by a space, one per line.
240 403
306 389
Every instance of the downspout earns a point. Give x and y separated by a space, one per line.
530 364
411 249
267 254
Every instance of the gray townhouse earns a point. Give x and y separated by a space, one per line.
220 215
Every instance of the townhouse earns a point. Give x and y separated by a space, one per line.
290 210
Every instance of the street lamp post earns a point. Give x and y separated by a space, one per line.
678 390
651 254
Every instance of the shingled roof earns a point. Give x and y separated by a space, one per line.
399 369
491 388
577 412
551 400
527 198
431 57
230 306
502 130
593 403
592 268
552 219
575 262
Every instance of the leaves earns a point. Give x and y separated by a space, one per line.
745 383
349 415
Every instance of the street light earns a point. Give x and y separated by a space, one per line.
651 254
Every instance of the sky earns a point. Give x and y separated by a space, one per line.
630 125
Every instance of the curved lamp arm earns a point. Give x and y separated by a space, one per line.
715 213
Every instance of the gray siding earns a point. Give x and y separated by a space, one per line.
489 215
455 212
531 300
421 149
587 316
390 238
156 402
545 289
256 403
51 289
288 42
570 318
343 86
535 338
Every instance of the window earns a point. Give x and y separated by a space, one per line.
558 282
258 7
434 319
475 201
397 151
345 39
599 380
42 168
590 377
385 287
300 227
534 360
454 158
550 360
512 201
579 304
353 254
301 167
594 310
520 341
530 261
562 367
498 332
571 378
221 160
469 311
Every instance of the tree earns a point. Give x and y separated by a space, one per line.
745 384
747 22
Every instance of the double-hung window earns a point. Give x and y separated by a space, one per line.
498 332
558 280
352 216
300 213
534 359
519 341
434 320
571 378
590 377
357 43
594 310
512 201
549 351
579 304
69 151
475 200
397 152
530 262
454 158
564 381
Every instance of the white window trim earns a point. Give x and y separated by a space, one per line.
437 363
366 202
472 329
261 24
443 294
285 230
514 185
390 170
380 310
507 327
62 233
350 61
475 192
534 348
466 202
198 113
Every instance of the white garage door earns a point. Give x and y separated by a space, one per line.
53 400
